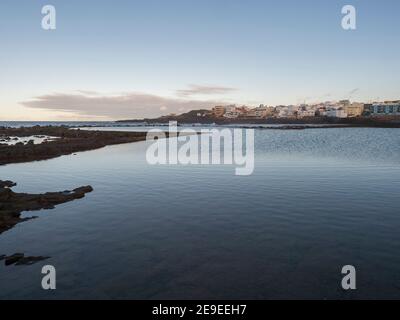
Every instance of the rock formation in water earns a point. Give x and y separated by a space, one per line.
20 259
12 203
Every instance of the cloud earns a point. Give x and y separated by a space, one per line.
128 105
88 92
203 90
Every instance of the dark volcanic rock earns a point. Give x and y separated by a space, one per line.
12 203
19 259
7 184
13 258
69 141
30 260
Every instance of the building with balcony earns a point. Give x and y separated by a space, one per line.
387 108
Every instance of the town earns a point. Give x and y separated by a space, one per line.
330 109
385 113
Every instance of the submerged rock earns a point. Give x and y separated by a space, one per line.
13 258
30 260
19 259
7 184
12 203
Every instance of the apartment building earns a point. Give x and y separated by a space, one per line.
387 108
354 109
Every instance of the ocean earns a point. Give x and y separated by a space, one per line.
318 199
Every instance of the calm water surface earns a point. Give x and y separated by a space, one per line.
318 199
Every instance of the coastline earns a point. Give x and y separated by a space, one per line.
68 142
274 123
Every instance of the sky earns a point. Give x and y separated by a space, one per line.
109 60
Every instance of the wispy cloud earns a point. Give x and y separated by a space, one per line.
119 106
195 90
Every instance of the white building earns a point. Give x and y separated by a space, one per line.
306 113
232 114
230 108
336 113
283 112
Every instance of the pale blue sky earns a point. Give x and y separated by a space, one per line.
136 57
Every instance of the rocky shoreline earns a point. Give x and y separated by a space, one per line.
306 122
68 142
